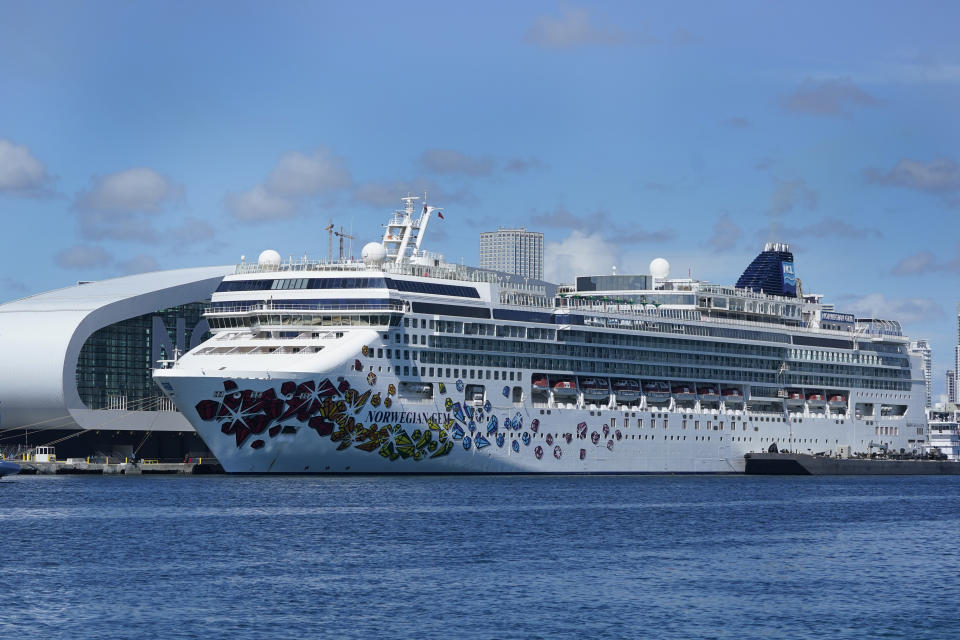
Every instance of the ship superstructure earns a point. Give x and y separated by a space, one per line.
402 362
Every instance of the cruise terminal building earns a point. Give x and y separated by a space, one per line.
76 365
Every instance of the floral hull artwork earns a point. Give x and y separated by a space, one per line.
335 412
367 417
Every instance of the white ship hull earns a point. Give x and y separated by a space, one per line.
340 422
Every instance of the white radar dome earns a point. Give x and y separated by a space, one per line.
373 253
659 268
269 259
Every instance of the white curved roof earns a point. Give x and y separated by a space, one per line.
100 292
41 335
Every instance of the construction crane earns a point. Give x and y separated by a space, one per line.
330 232
340 234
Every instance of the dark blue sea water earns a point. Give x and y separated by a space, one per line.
479 557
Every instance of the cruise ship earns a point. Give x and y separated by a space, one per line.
404 363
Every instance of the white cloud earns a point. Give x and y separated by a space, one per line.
451 161
578 255
574 27
905 310
926 262
524 165
21 173
828 97
940 174
388 194
133 190
259 205
790 194
142 263
82 256
299 175
190 231
726 234
296 177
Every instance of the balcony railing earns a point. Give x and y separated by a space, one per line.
281 306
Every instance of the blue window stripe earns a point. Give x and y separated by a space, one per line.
450 310
523 316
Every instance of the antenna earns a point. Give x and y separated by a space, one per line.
329 230
342 235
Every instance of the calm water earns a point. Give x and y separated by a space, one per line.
479 557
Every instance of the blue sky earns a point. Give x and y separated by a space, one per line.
136 136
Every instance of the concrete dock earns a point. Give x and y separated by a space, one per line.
81 467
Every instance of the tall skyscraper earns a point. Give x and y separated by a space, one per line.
956 349
951 386
955 398
513 251
922 348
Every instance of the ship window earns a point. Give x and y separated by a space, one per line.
431 372
389 353
406 355
406 322
496 375
406 371
448 373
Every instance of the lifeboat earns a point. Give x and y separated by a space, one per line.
815 398
732 395
708 393
626 389
795 397
656 391
594 388
540 381
564 387
837 400
684 392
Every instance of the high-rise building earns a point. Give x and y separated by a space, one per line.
922 348
513 251
956 349
951 386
